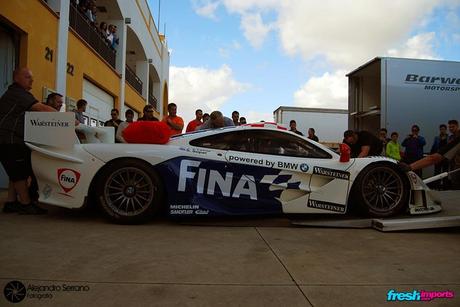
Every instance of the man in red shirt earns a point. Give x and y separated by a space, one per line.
175 123
196 122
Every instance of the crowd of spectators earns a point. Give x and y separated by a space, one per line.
108 32
174 122
444 154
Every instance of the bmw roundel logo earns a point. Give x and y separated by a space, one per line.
304 167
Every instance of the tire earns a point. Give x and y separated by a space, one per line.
129 191
380 190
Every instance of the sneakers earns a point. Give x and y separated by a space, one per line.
31 209
11 207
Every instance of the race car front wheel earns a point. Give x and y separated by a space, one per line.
381 191
129 191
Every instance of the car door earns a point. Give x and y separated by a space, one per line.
293 157
305 177
219 186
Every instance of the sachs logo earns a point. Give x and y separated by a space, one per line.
68 178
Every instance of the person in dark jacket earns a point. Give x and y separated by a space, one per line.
14 154
414 144
312 135
443 166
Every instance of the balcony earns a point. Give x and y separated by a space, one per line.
133 80
91 35
153 101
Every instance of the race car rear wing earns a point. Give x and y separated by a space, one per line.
57 129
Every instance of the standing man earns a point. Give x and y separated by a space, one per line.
147 114
55 101
196 122
362 143
81 107
114 121
293 126
384 139
14 154
312 135
129 115
414 147
175 123
453 128
236 118
440 141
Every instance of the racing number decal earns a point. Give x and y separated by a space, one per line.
67 178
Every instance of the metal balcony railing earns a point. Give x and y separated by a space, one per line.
89 33
133 80
153 101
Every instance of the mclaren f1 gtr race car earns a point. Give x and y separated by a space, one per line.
253 169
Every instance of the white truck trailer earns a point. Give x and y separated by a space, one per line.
329 124
396 93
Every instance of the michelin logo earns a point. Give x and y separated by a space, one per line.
189 169
328 172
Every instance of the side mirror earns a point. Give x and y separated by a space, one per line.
345 152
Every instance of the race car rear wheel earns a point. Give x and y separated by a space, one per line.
381 191
129 191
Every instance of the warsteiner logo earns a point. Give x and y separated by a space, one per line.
68 178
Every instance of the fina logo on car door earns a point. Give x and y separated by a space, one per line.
68 179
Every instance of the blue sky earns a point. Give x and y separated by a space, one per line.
256 55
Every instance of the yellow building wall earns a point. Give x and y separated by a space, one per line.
134 100
87 64
41 30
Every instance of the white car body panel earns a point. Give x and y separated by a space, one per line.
66 171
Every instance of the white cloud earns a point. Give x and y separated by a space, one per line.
206 8
197 87
243 6
419 46
254 29
326 91
345 32
341 35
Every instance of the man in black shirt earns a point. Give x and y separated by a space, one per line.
293 126
362 143
312 135
14 154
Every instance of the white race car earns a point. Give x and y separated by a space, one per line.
253 169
